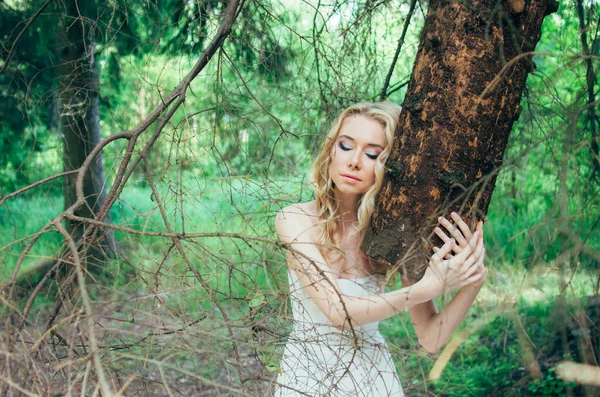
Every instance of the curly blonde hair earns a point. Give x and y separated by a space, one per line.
386 113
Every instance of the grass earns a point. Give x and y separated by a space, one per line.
152 287
491 360
22 217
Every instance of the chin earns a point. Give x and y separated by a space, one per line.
345 189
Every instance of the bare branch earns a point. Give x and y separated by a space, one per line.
29 23
384 94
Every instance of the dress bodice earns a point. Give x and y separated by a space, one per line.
309 318
322 360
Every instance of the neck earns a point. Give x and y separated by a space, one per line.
347 208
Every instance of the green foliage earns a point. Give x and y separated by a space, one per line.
544 200
490 361
125 33
550 385
25 98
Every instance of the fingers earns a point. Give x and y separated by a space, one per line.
475 256
441 234
461 224
461 232
481 258
474 268
448 256
469 247
476 277
455 232
455 248
482 255
474 263
444 250
460 260
466 267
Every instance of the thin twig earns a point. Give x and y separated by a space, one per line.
5 197
14 44
384 94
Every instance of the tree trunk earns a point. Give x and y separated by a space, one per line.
79 122
462 100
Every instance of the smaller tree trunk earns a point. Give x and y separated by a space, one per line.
79 123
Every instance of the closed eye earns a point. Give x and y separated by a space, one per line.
341 145
345 148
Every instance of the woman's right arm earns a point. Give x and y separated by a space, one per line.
295 231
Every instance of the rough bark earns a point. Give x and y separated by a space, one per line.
462 100
79 122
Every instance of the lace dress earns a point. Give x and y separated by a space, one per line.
321 360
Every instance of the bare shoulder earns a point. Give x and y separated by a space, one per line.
296 220
298 211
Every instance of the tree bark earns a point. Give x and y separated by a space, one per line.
461 102
79 122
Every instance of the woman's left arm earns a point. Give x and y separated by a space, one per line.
434 328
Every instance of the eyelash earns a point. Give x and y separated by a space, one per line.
344 148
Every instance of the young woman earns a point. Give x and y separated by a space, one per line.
337 292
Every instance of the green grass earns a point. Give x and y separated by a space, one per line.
229 205
22 217
245 276
490 362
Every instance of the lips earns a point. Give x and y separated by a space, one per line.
351 177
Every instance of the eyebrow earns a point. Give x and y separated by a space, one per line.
368 144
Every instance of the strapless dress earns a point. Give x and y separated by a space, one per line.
322 360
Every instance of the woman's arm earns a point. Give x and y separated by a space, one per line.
434 328
294 229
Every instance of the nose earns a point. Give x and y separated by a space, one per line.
354 161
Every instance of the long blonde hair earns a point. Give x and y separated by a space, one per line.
386 113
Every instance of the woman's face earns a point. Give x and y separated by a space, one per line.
353 155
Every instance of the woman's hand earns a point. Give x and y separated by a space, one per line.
462 235
447 272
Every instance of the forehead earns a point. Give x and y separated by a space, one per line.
363 129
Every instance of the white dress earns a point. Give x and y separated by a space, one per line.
321 360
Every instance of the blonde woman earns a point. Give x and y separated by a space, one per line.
337 292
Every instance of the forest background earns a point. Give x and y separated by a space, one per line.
190 294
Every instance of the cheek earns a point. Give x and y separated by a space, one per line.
333 154
372 172
334 161
337 156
